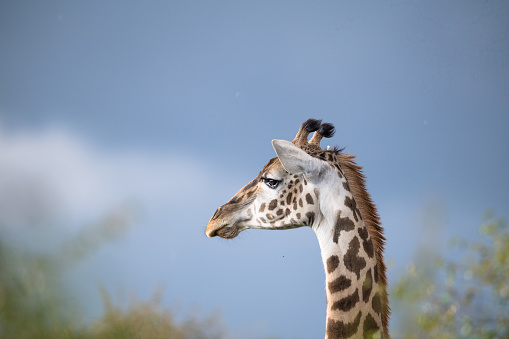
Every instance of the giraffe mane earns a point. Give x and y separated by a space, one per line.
337 150
357 182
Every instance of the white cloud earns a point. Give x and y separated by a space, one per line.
84 181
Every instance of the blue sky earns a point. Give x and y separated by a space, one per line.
173 105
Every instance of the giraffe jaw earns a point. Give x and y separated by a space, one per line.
228 232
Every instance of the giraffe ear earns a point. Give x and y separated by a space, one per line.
296 161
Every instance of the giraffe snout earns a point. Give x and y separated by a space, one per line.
224 222
210 233
217 213
212 226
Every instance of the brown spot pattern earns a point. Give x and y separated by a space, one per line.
273 204
336 329
370 327
366 242
289 198
309 199
332 263
347 303
351 204
342 224
339 284
250 194
376 304
352 261
367 286
346 186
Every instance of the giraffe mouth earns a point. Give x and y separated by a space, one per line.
224 230
227 232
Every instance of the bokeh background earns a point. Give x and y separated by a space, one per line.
162 110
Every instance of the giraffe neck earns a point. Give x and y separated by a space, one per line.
353 301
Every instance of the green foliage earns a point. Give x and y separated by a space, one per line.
466 298
34 302
30 305
146 319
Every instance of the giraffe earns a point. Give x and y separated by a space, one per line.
325 190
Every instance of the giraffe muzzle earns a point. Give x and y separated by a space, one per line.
217 213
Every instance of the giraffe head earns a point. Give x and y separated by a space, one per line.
325 189
286 192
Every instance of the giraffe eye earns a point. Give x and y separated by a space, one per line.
272 183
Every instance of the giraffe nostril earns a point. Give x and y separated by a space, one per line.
217 213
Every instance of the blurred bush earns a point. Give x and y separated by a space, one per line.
147 319
35 303
466 297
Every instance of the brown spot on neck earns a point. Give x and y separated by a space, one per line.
367 244
376 303
336 329
351 204
357 184
347 303
346 186
352 261
370 327
339 284
367 286
342 224
332 263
